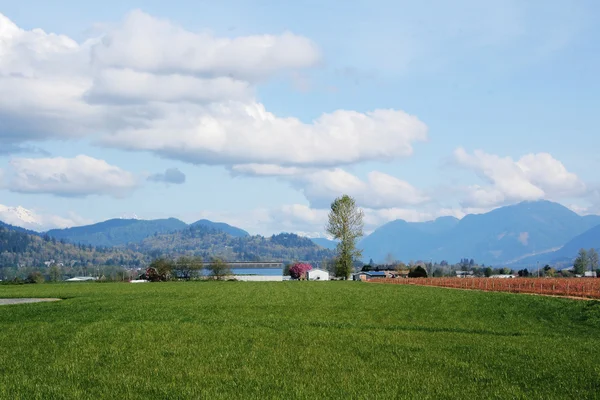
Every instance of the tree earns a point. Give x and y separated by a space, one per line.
417 272
346 225
488 271
581 262
188 267
54 272
163 268
299 270
400 268
219 269
593 259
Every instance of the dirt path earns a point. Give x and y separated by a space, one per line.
5 302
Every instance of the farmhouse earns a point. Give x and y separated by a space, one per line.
317 275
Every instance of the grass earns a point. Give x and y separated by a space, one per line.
225 340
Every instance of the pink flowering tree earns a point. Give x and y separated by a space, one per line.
299 270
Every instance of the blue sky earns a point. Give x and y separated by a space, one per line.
482 104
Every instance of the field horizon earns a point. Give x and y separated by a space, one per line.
294 340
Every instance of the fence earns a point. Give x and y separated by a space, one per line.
576 287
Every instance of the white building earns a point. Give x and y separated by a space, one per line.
259 278
317 275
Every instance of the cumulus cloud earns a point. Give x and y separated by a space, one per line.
146 43
70 177
246 133
150 85
171 175
129 86
320 186
532 177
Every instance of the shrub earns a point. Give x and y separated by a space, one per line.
417 272
35 277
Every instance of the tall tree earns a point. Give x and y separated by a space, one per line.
581 262
593 259
346 225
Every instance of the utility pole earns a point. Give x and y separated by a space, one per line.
538 268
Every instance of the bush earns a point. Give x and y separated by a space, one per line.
417 272
35 277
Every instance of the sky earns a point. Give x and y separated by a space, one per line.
260 113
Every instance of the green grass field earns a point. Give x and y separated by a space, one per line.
224 340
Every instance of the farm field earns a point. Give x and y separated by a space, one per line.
567 287
224 340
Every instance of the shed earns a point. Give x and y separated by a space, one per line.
317 275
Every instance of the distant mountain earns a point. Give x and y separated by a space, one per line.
325 243
115 232
504 235
20 216
405 240
587 240
565 256
222 227
16 228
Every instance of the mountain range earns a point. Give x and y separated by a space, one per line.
132 242
520 234
514 234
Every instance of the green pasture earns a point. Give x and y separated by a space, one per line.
294 340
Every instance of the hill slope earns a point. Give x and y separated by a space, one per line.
115 232
325 243
200 240
222 227
565 256
19 248
405 240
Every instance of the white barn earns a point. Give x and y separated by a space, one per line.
317 275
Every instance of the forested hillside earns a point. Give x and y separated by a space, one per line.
200 240
19 248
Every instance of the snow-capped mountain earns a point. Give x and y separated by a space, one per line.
20 216
29 219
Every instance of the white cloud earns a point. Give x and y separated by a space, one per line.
150 85
532 177
79 176
146 43
128 86
379 190
246 133
320 187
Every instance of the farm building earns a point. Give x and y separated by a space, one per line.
317 275
368 275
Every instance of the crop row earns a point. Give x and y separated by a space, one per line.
577 287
